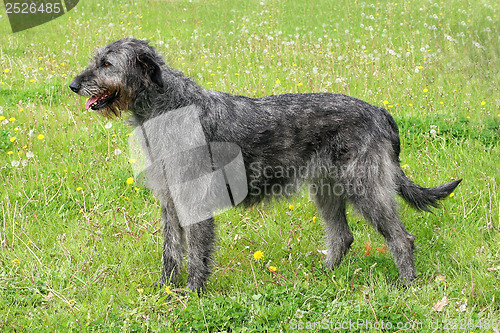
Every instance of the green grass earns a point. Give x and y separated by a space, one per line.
79 247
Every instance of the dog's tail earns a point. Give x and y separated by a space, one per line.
420 197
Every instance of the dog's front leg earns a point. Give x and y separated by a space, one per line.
200 242
172 245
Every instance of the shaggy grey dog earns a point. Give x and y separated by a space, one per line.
345 150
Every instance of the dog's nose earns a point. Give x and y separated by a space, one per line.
75 86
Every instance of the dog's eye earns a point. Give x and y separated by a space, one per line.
106 64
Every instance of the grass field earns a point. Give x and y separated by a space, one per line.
79 246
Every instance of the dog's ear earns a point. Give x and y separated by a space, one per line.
151 68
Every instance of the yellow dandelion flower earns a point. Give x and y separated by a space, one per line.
167 290
452 195
10 152
32 80
40 68
15 262
441 102
6 70
314 218
132 160
278 81
79 188
299 84
410 104
130 181
258 255
12 139
483 103
385 102
290 207
468 117
12 119
426 90
41 136
2 118
236 74
405 165
272 268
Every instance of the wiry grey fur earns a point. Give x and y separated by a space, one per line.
348 151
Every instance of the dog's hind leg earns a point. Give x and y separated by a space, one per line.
173 248
200 242
378 205
332 209
384 217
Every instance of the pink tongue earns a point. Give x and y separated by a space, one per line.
90 101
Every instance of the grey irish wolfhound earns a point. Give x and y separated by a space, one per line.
347 149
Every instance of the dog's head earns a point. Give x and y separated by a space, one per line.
117 75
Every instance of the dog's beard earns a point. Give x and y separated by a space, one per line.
116 107
110 112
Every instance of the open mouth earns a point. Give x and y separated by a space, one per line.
101 101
